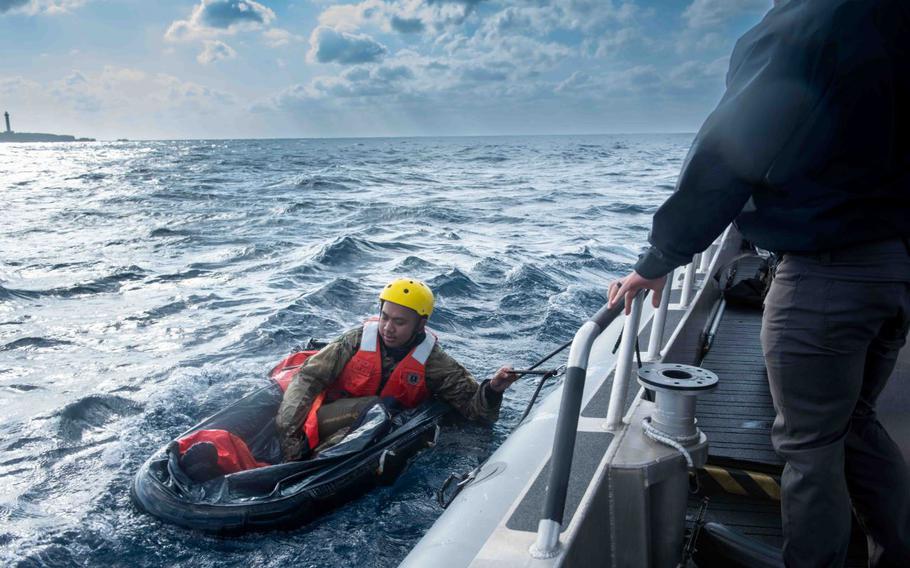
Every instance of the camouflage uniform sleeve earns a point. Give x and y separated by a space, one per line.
450 381
318 372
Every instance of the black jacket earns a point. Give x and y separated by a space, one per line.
809 148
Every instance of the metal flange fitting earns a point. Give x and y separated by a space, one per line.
676 386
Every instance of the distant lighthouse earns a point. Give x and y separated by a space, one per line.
6 115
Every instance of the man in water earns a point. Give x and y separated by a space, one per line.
809 152
393 358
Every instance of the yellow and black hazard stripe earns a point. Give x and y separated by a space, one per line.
715 479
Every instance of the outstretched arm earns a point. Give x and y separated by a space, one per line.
451 382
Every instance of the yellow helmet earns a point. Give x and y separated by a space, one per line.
410 293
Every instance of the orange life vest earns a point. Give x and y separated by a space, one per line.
233 453
362 376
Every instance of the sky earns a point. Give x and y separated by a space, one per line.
168 69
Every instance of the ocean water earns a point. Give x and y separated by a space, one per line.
145 285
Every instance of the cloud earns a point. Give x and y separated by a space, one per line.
359 82
399 16
689 77
708 22
212 18
18 85
352 17
124 91
484 74
611 43
328 45
75 79
576 82
467 58
702 14
697 74
392 73
407 25
636 79
215 50
364 82
8 5
277 37
588 16
226 13
462 2
33 7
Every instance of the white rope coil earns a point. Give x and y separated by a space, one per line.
676 442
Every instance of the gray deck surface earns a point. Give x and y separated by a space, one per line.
737 415
590 448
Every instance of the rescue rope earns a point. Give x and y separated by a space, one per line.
676 442
458 481
543 379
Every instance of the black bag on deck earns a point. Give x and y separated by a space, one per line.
746 279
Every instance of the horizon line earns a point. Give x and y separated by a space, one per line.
380 137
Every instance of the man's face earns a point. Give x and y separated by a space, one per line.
397 324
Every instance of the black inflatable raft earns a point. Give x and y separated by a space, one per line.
285 494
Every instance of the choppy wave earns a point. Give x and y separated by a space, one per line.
327 183
105 284
157 282
94 411
34 343
455 283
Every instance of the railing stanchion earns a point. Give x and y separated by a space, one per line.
706 257
624 365
688 285
659 322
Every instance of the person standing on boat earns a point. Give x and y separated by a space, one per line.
808 152
394 358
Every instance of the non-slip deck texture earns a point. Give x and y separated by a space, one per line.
673 319
599 404
590 448
737 415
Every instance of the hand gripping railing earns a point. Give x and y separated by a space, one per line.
547 543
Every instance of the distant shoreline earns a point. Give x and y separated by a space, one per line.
40 137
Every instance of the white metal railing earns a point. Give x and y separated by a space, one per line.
624 365
546 544
688 286
706 258
687 291
659 323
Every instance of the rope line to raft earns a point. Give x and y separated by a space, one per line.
543 379
461 480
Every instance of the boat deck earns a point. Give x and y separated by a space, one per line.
737 418
737 415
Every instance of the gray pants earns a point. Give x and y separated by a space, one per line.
832 329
